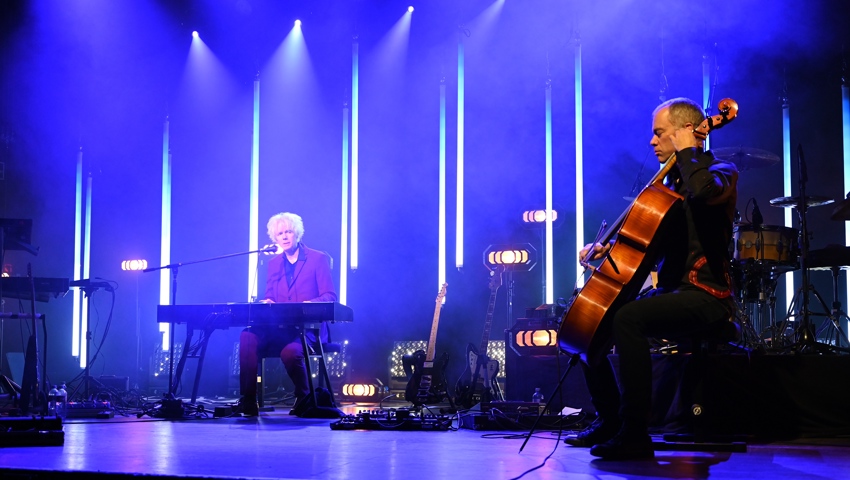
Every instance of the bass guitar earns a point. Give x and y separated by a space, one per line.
622 272
428 383
478 382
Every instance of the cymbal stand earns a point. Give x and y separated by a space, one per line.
806 340
747 312
836 315
758 326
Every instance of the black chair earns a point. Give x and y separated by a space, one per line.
317 392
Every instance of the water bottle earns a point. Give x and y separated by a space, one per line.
537 397
62 402
51 401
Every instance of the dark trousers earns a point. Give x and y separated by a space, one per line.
256 343
665 315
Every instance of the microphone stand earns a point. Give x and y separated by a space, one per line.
175 267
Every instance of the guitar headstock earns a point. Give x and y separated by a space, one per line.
496 277
442 294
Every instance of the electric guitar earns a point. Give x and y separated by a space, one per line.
428 384
478 382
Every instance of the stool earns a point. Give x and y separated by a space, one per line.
701 440
312 352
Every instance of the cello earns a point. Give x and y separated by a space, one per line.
619 277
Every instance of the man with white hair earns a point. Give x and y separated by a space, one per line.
296 274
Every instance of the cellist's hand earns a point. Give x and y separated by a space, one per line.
599 251
684 137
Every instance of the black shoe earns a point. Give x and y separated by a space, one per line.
248 407
299 406
599 431
625 446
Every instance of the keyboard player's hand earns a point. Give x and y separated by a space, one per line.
267 300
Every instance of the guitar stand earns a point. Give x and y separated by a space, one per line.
574 358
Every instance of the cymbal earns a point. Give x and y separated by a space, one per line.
746 158
792 202
841 212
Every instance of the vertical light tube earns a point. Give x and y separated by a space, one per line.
706 89
459 188
343 234
254 199
579 164
78 243
786 188
549 279
84 318
355 146
845 131
441 227
165 235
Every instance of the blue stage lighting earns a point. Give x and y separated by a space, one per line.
410 9
195 34
298 23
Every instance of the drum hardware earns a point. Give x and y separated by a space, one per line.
756 301
746 158
833 258
761 253
804 336
841 212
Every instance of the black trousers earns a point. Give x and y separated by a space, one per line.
662 315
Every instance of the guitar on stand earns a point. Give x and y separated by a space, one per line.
428 383
478 382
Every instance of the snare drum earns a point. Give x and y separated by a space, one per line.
769 244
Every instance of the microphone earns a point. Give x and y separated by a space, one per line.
758 220
270 249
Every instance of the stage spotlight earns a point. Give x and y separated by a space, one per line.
195 34
134 265
534 336
537 216
519 257
410 9
298 24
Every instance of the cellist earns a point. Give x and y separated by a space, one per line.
693 291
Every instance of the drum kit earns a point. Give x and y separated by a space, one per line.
763 253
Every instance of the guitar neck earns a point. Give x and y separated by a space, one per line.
432 341
485 340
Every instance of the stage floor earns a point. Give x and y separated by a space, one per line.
278 445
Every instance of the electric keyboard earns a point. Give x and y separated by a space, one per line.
226 315
19 287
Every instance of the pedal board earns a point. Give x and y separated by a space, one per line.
510 408
87 409
395 419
